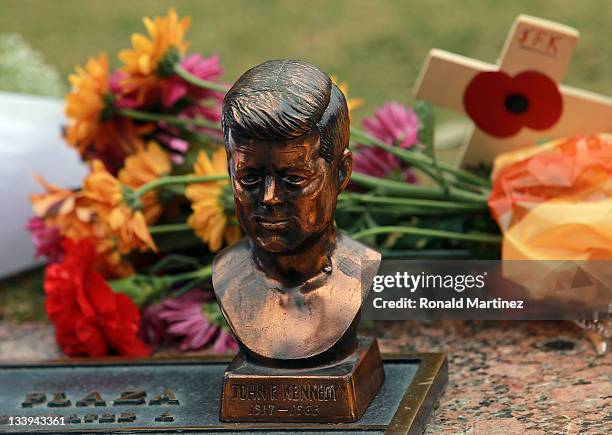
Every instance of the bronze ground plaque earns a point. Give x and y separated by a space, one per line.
183 395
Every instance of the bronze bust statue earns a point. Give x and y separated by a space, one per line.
292 289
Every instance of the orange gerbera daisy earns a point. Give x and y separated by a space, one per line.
210 219
106 197
85 103
63 209
87 109
146 165
69 212
352 103
142 60
109 262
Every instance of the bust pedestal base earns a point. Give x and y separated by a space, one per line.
337 393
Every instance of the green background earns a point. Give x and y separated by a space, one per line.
377 46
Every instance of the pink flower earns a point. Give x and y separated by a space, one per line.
177 146
46 240
212 114
170 135
225 341
204 104
394 125
185 318
379 163
130 100
176 87
152 328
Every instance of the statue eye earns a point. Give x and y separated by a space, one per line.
250 180
294 180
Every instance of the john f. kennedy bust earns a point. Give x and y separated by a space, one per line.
292 289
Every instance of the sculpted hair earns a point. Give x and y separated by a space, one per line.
285 99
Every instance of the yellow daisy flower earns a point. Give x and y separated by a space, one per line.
210 220
105 195
352 103
146 165
141 61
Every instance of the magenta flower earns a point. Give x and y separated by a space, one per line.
185 319
394 125
175 87
225 342
153 329
170 135
212 114
203 103
46 240
177 146
128 101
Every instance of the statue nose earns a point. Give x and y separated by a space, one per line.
270 194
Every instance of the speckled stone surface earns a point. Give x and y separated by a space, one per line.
514 377
505 377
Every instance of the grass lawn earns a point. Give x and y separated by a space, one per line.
377 46
22 298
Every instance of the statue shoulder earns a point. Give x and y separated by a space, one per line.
229 265
357 259
361 251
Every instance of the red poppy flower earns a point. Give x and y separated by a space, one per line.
89 318
501 105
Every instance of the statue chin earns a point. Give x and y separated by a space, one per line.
289 244
274 244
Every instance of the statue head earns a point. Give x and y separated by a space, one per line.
286 132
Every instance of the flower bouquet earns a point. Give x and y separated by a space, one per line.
129 252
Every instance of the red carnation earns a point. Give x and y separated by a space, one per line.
89 318
501 105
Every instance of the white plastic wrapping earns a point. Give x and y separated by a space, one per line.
30 143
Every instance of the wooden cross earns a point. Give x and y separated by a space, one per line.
532 45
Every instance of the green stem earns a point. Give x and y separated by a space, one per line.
397 210
203 273
413 191
142 288
169 228
475 237
203 138
425 203
177 179
206 84
419 158
156 117
425 254
425 113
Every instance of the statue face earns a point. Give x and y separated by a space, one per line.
284 192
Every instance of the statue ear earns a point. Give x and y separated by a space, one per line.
345 168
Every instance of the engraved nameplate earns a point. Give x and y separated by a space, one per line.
331 394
